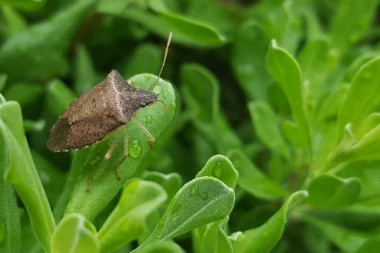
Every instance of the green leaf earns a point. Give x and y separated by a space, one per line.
286 72
201 201
170 182
39 52
167 247
370 245
146 58
3 80
105 185
17 92
25 5
16 23
266 127
186 31
201 94
265 237
345 239
10 228
59 97
252 180
79 160
314 62
329 191
22 174
128 220
85 77
361 98
247 60
220 167
351 19
75 234
215 238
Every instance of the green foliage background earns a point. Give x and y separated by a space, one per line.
269 142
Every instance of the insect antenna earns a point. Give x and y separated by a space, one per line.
163 62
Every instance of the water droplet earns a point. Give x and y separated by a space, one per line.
367 74
135 148
194 191
157 89
204 195
2 232
217 171
148 119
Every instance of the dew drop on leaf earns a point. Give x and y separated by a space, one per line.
217 171
204 195
135 148
165 94
157 90
194 191
148 119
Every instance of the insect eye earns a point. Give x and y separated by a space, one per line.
143 104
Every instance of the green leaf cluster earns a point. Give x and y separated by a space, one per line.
267 127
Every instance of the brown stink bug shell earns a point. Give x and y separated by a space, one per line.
93 115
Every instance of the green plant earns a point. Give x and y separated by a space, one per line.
269 142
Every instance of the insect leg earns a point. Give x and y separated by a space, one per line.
125 156
146 132
106 158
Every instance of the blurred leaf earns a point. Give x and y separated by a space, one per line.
58 97
170 182
52 179
3 80
361 98
75 234
329 191
146 58
105 184
167 247
220 167
185 30
266 127
127 221
287 73
351 19
247 60
15 22
39 52
345 239
264 238
24 94
10 228
215 238
201 95
85 76
291 133
252 180
314 62
370 245
22 174
25 5
201 201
